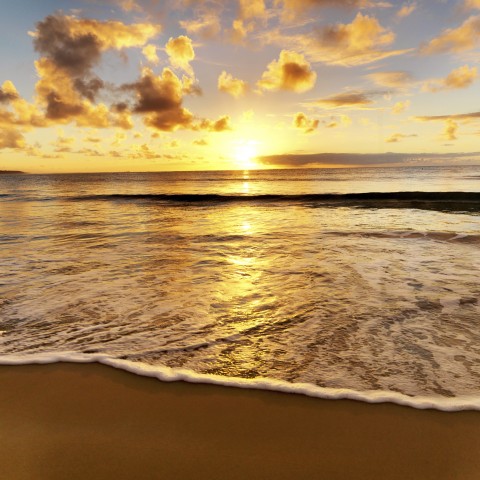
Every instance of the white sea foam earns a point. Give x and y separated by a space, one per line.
167 374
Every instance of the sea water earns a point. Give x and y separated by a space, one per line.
339 283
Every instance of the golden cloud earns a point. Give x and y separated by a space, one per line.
251 9
231 85
400 107
62 102
461 77
76 44
361 42
355 99
392 79
8 92
112 34
465 37
290 72
308 125
220 125
396 137
292 8
406 10
355 43
181 53
11 138
471 4
206 25
160 99
450 132
150 53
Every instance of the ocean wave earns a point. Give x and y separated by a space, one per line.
448 201
167 374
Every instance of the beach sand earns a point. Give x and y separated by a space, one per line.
89 421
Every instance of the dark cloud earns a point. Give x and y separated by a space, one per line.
6 96
57 109
170 120
89 88
220 125
156 94
75 53
74 46
10 138
457 116
301 160
290 72
348 99
120 107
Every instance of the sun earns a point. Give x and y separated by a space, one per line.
245 152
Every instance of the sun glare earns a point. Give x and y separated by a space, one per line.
245 154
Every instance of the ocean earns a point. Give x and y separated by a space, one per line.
337 283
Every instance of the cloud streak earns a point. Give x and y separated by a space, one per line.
357 159
455 40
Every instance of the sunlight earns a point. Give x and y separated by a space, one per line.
245 153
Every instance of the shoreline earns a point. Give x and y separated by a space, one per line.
76 421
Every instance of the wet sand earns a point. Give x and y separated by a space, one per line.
79 421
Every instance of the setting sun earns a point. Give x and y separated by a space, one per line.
245 154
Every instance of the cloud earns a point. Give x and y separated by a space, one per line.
291 8
11 138
18 111
400 107
450 132
290 72
465 37
354 98
301 121
59 96
220 125
406 10
473 116
358 159
471 4
67 88
202 142
181 53
249 9
461 77
250 14
233 86
396 137
206 25
160 98
240 30
130 5
8 92
76 45
150 53
337 121
356 43
392 79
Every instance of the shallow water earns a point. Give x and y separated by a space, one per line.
363 297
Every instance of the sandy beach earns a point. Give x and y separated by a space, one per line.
80 421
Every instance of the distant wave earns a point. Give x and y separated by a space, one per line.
448 201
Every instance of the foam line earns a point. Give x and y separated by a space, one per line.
166 374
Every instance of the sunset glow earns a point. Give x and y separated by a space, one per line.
161 85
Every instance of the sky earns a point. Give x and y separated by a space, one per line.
151 85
